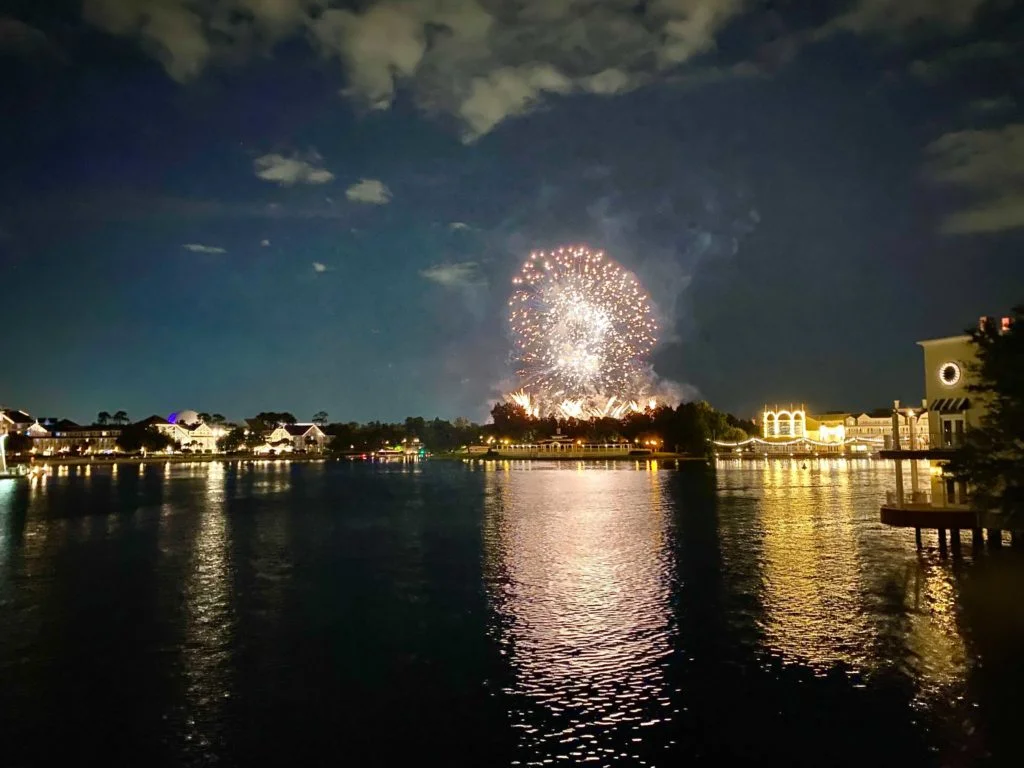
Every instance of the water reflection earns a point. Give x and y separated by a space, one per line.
833 588
579 574
209 640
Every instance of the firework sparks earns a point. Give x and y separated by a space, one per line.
583 328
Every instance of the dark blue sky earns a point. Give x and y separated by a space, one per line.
300 204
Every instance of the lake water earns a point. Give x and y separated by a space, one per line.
495 614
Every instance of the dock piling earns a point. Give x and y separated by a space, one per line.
942 541
995 538
917 537
954 540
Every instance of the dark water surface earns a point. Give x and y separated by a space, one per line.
495 614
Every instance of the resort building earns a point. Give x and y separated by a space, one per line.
874 426
948 374
302 437
17 421
791 431
187 430
66 437
939 500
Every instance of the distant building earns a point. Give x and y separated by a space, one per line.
791 431
67 437
187 430
18 421
876 427
303 437
952 409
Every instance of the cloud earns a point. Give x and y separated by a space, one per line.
169 30
20 39
287 171
989 164
319 267
507 92
608 82
484 61
200 248
369 191
960 57
478 60
384 43
895 16
265 243
455 275
458 225
992 105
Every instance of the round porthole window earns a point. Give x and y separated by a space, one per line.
949 374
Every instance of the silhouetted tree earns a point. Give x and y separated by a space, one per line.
217 418
273 418
103 417
320 418
120 417
512 421
135 437
232 441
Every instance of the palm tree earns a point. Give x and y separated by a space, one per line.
217 418
120 417
320 418
204 417
102 417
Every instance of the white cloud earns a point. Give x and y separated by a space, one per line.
454 275
200 248
458 225
893 16
384 43
369 191
507 92
265 243
170 30
291 170
319 266
482 61
988 164
608 82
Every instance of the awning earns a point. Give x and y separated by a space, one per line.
949 405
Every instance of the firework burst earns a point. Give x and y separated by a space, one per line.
582 328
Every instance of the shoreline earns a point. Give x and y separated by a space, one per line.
50 461
677 457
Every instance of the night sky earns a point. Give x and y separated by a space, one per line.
247 205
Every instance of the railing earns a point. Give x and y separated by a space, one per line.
949 440
927 499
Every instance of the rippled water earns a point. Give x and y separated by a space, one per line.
495 614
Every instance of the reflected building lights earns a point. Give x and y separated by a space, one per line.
209 618
822 584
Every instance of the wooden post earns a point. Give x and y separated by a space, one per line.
977 540
896 447
942 541
995 537
1017 539
954 540
917 537
913 462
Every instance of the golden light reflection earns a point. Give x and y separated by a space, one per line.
825 570
579 573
